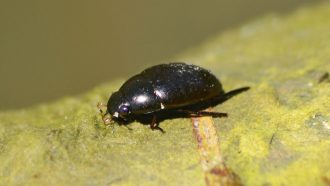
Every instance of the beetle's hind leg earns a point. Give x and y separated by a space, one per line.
155 124
203 113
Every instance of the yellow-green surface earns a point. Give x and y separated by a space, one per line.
278 133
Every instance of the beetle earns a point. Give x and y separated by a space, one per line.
167 91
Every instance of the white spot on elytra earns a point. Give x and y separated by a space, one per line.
162 106
115 114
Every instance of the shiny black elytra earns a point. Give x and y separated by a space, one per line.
167 91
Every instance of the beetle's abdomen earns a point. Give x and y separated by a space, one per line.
178 84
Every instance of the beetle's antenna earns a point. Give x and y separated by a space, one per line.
106 120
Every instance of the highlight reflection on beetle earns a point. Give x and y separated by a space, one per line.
167 91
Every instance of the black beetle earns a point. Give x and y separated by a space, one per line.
167 91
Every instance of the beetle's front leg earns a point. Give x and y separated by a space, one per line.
155 125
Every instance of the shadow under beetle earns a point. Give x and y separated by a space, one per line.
167 91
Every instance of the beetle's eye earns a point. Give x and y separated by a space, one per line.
123 110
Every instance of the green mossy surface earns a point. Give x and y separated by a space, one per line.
278 133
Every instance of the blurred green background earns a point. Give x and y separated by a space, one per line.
49 49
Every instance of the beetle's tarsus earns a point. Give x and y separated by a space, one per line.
154 125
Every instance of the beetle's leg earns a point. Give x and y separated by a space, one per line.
213 114
155 125
203 113
230 94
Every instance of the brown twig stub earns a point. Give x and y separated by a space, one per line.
216 172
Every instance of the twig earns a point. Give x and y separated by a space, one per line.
216 172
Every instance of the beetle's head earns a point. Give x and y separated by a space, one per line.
118 108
